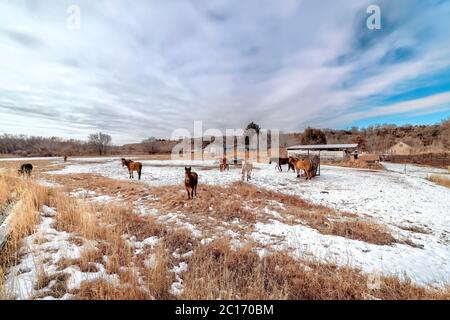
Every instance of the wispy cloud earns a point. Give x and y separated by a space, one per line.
141 68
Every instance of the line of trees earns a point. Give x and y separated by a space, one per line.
431 138
32 146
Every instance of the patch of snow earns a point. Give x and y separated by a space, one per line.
398 259
41 252
50 184
82 193
150 262
177 287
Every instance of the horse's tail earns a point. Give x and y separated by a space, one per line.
140 170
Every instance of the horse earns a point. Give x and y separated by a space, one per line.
190 182
224 165
305 165
25 169
132 166
247 168
65 158
281 162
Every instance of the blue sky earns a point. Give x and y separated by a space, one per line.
145 68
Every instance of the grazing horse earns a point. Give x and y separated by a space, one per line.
25 169
224 165
305 165
281 162
132 166
190 182
247 168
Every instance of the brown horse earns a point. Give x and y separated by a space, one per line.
224 165
190 182
305 165
281 162
132 166
65 158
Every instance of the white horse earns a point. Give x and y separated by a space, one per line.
247 168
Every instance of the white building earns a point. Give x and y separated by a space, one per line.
334 152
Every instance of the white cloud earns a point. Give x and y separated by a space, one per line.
141 68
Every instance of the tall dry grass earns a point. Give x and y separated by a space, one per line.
28 199
25 199
218 272
440 180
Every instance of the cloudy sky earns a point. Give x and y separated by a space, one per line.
144 68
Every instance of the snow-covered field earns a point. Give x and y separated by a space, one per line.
398 200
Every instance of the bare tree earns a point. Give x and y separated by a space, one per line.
100 142
151 145
313 136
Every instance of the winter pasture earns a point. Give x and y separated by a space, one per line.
92 233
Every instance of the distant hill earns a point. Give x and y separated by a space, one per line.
423 138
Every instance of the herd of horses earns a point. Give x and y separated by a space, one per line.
307 165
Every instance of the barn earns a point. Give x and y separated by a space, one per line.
401 148
330 152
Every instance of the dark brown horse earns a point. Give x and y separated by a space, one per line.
25 169
132 166
281 162
190 182
224 165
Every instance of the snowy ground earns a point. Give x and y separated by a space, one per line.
400 201
415 171
40 255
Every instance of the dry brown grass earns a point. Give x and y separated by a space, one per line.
238 200
28 199
228 203
107 224
214 271
25 199
103 290
218 272
355 163
359 230
40 167
158 279
440 180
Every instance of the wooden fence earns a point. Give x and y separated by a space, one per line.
441 160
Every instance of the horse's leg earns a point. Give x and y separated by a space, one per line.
189 194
